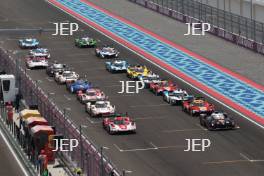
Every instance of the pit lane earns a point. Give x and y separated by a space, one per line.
227 145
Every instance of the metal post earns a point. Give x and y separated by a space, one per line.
102 161
81 147
251 9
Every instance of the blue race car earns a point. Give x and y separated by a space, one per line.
28 43
116 66
79 85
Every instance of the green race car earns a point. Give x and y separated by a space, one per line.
85 42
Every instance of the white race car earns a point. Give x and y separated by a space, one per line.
176 96
36 62
100 108
90 95
148 79
119 124
64 76
40 52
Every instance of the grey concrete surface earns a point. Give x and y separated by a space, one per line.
158 124
226 54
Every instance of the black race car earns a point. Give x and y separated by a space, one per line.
217 121
55 67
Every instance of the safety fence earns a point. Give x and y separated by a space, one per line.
237 29
86 156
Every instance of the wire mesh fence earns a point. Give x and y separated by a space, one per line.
237 29
86 156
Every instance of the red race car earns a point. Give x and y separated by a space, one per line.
118 124
158 88
198 106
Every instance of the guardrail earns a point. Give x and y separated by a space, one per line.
86 155
9 133
238 30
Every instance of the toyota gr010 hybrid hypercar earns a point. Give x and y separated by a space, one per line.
135 71
148 79
91 95
106 52
28 43
198 106
119 124
54 68
176 96
66 76
217 121
160 87
40 52
100 108
78 85
85 42
36 62
116 66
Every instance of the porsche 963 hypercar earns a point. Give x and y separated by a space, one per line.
100 108
106 52
116 66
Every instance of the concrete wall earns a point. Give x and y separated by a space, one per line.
240 7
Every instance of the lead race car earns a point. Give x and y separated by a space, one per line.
106 52
85 42
78 85
66 75
119 124
176 96
36 62
134 71
40 52
100 108
116 66
160 87
217 121
91 95
55 67
28 43
198 106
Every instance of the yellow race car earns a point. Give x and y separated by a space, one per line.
137 70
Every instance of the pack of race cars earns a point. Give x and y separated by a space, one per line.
97 104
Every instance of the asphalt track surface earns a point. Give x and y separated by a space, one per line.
222 52
157 148
8 164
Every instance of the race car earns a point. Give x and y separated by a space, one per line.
137 70
106 52
54 68
160 87
28 43
65 76
116 66
36 62
85 42
40 52
118 124
148 79
99 108
91 95
78 85
198 106
217 121
176 96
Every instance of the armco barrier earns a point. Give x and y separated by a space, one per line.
215 30
34 95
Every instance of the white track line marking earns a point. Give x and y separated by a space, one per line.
93 122
14 154
154 105
67 98
201 127
244 156
49 79
182 130
186 82
154 147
